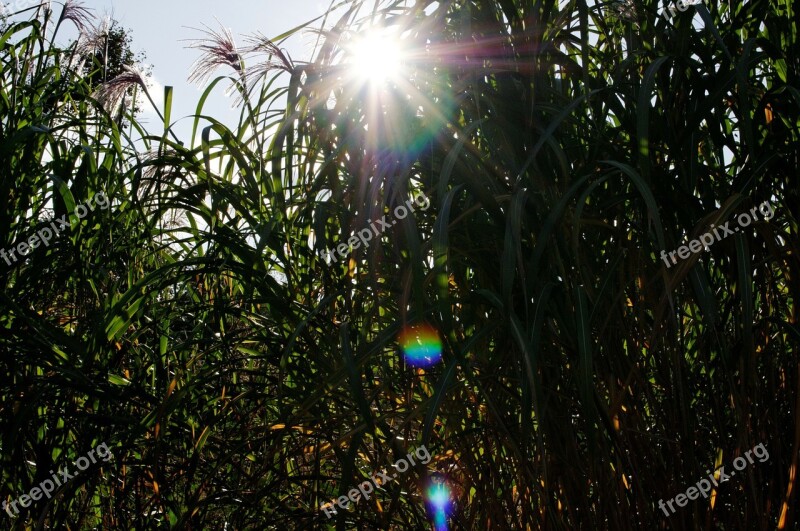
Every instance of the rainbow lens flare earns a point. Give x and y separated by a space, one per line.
437 497
421 345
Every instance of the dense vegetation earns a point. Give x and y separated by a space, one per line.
240 380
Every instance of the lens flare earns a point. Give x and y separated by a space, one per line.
437 497
376 58
390 74
421 345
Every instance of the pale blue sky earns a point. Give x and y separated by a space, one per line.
159 28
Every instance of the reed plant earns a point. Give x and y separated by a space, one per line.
241 380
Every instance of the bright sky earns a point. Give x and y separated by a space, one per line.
160 27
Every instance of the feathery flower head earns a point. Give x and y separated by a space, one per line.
110 93
219 49
74 11
92 39
259 44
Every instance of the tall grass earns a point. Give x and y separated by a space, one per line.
242 381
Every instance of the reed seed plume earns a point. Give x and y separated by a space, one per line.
218 49
260 44
75 12
111 93
92 39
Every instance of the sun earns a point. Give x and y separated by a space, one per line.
375 58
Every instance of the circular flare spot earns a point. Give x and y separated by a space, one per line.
439 501
421 345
